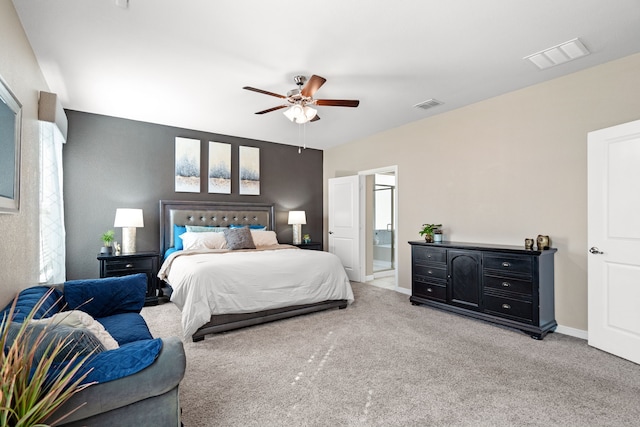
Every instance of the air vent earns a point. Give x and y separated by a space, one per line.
559 54
429 103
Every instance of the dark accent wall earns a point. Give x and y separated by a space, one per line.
114 163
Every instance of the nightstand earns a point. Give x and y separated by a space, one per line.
314 246
139 262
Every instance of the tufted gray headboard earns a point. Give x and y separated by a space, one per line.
215 214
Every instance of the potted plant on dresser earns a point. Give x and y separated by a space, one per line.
107 241
428 230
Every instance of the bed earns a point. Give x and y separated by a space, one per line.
218 289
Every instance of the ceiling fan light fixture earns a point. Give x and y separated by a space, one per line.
300 114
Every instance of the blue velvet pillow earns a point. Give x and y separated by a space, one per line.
27 300
107 296
178 230
251 227
126 327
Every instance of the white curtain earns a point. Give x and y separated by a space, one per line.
52 232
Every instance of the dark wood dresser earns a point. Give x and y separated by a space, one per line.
508 285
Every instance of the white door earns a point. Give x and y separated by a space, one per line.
344 223
614 240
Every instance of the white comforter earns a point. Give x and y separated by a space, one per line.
221 282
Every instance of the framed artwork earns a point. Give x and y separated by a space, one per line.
249 170
187 177
10 125
219 175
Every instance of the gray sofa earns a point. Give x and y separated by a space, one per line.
137 383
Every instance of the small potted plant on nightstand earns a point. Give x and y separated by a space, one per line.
107 240
428 230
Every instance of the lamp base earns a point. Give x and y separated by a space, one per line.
128 240
297 234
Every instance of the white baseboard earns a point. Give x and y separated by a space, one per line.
573 332
402 290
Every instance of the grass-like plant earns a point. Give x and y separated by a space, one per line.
33 388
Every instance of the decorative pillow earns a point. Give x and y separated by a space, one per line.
251 227
264 238
81 320
204 229
107 296
239 238
203 240
78 341
177 231
29 298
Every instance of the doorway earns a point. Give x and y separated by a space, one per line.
379 216
383 246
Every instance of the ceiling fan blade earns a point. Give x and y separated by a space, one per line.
272 109
338 102
315 118
312 85
264 91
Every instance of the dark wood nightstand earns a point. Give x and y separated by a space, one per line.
139 262
314 246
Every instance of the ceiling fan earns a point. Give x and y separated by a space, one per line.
300 101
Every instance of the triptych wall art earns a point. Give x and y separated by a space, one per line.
187 167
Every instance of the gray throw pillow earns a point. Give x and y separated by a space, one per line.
239 238
77 340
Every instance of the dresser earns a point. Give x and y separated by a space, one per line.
507 285
139 262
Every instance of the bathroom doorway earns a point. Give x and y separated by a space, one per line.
384 224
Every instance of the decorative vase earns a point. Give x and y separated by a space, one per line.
428 238
543 242
106 250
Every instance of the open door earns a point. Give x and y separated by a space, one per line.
344 223
614 240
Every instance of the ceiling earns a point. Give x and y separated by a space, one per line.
184 63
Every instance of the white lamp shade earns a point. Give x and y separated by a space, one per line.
297 217
128 218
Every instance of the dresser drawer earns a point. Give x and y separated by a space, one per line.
427 255
429 290
522 310
524 287
429 271
508 264
145 264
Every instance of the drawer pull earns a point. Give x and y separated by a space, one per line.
129 266
506 306
506 264
506 284
429 290
429 272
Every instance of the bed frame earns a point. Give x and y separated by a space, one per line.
221 214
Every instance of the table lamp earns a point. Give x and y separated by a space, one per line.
128 219
297 218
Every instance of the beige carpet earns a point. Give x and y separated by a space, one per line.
385 362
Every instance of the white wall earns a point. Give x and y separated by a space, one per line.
504 169
19 233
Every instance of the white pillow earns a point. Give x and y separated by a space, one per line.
264 238
80 319
204 240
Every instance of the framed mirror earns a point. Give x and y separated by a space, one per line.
10 126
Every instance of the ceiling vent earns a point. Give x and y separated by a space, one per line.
559 54
429 103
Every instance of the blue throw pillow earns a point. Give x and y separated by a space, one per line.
27 300
178 230
251 227
107 296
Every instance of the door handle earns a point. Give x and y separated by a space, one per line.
331 232
595 251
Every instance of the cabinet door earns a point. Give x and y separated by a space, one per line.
464 278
